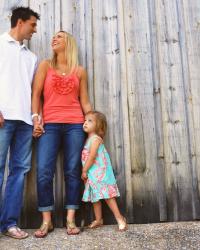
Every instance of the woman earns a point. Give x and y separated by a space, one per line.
63 84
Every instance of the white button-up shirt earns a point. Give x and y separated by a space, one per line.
17 68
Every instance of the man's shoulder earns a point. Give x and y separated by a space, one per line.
3 40
5 33
3 36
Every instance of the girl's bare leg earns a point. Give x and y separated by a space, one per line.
114 208
97 210
119 218
98 215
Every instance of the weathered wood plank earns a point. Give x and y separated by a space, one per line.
191 64
160 186
141 110
89 47
176 147
125 111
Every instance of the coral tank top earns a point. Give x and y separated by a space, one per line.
61 98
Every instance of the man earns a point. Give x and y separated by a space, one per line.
17 67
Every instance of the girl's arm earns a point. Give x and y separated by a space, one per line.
37 89
92 156
84 98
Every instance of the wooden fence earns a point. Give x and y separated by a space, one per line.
143 61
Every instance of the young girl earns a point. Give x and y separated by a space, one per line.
97 172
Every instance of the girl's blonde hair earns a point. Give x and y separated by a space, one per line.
101 123
71 53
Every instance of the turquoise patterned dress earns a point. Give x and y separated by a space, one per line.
101 182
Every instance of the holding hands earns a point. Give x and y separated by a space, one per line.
38 129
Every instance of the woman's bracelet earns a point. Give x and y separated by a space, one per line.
36 115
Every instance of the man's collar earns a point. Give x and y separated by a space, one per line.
9 38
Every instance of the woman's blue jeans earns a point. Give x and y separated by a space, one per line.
72 138
16 136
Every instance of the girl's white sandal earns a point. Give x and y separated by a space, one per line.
122 225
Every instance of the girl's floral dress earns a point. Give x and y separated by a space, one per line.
101 182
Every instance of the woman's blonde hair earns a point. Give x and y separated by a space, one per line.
71 53
101 123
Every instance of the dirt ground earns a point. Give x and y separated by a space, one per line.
169 236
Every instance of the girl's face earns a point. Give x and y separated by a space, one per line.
89 125
58 42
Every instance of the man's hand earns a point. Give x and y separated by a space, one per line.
1 120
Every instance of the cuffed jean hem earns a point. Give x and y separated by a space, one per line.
4 230
46 209
75 207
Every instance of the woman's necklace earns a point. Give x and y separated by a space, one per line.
62 71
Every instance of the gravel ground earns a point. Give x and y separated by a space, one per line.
169 236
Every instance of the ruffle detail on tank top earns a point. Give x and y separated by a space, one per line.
63 85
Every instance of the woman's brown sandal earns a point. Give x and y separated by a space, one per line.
72 229
96 224
43 231
122 224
